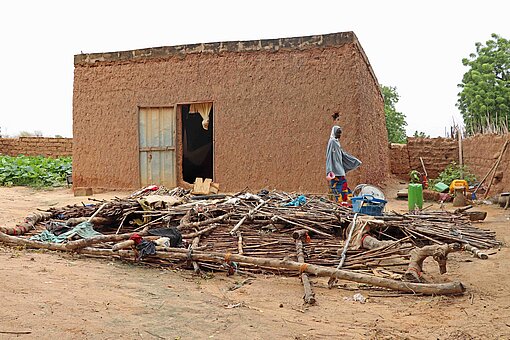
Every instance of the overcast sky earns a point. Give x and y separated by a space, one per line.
415 46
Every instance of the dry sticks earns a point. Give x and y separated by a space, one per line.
255 231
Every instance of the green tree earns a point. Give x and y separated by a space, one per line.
395 121
484 100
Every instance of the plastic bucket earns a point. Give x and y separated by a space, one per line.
368 205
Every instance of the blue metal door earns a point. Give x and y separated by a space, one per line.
157 146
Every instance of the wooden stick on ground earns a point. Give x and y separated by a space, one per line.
183 254
476 252
309 296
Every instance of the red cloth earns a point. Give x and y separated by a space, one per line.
137 238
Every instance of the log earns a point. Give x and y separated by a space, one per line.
418 255
475 215
95 221
87 242
28 224
182 254
309 296
123 245
476 252
370 242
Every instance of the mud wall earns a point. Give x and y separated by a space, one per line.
36 146
272 115
370 139
481 152
399 160
437 154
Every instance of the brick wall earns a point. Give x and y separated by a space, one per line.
36 146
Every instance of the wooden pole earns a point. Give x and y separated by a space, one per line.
194 244
309 296
496 168
461 161
182 254
483 180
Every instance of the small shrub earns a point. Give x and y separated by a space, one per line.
452 172
34 171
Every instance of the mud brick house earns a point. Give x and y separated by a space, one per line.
254 114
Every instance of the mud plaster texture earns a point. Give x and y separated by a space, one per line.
272 120
481 152
399 160
36 146
437 154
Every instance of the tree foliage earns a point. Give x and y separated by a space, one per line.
420 134
484 100
395 121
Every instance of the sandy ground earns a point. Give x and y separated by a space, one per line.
49 295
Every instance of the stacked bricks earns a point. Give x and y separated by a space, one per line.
36 146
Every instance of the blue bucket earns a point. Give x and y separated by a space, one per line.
368 205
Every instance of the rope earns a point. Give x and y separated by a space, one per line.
302 268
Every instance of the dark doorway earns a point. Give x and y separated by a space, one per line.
197 145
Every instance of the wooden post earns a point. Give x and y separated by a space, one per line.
461 161
496 168
309 296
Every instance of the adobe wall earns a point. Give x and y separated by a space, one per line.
371 139
36 146
399 160
480 154
272 115
437 154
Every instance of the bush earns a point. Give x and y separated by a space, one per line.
34 171
452 172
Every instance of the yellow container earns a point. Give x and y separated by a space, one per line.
458 183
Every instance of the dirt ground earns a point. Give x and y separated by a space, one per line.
50 295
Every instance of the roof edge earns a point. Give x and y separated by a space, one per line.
270 45
367 62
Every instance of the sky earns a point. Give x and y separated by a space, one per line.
415 46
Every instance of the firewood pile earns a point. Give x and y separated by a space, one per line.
274 232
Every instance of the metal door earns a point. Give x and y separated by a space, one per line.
157 146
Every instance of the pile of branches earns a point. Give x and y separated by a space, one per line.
274 232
